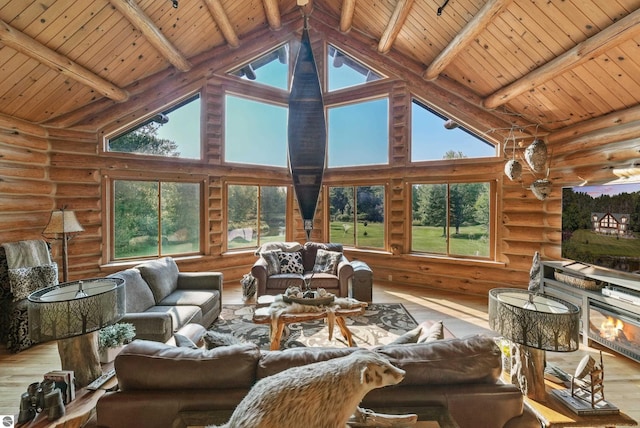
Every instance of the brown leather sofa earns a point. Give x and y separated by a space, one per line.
276 283
166 386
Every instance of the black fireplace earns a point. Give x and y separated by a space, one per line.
616 329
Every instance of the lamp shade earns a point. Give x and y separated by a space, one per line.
62 221
75 308
537 321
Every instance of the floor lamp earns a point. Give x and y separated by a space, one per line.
63 224
72 313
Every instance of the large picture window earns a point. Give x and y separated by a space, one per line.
451 219
174 132
357 220
155 218
247 229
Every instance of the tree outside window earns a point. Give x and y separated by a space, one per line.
451 219
357 221
247 229
155 218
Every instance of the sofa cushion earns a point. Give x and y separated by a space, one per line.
141 364
290 262
273 362
310 250
161 275
138 295
472 359
206 300
273 262
327 261
180 315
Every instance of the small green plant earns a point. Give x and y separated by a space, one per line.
116 335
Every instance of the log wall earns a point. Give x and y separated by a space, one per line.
46 168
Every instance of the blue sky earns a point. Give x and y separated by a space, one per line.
608 189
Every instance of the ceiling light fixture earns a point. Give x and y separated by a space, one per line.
174 3
441 8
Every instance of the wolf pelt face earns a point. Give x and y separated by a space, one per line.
318 395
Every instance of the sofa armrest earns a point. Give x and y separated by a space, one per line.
344 273
259 272
200 281
154 326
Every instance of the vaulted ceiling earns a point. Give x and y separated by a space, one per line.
554 63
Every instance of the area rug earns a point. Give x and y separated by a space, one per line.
380 324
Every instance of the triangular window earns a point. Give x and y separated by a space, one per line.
434 137
344 71
271 69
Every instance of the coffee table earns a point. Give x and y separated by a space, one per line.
262 315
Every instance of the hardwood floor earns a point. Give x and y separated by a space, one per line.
463 314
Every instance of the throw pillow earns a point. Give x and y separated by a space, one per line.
273 263
183 341
327 261
409 337
214 339
290 262
433 333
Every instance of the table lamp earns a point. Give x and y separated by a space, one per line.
534 323
72 313
62 225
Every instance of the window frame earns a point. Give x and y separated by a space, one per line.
109 219
493 214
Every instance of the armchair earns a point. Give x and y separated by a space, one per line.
328 268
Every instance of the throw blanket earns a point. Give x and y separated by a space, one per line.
29 267
288 247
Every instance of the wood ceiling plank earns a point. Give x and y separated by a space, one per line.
621 96
601 88
27 72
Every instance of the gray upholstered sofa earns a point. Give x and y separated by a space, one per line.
276 279
160 299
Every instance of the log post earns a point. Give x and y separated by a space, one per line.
80 354
527 371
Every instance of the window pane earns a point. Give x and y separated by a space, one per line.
180 218
430 140
273 213
359 134
242 219
135 219
429 226
174 132
370 224
345 71
255 132
271 69
341 207
469 219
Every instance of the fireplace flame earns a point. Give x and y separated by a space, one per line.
611 328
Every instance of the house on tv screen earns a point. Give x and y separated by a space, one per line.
610 223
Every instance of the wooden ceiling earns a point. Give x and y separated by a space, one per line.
553 62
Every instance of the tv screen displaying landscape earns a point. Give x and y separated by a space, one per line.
601 225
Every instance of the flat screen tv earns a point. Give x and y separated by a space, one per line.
601 225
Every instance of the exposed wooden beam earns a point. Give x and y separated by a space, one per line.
22 126
137 17
465 37
272 11
612 36
395 24
346 15
609 121
28 46
222 20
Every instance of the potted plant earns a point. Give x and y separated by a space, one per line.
112 339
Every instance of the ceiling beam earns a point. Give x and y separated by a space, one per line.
399 17
137 17
465 37
612 36
60 63
346 15
272 11
222 20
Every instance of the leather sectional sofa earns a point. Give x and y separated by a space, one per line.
160 300
167 386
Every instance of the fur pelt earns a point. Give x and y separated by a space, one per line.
319 395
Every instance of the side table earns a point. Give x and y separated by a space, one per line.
79 411
553 414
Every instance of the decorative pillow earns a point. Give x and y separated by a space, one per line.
273 263
433 333
327 261
184 342
290 262
214 339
